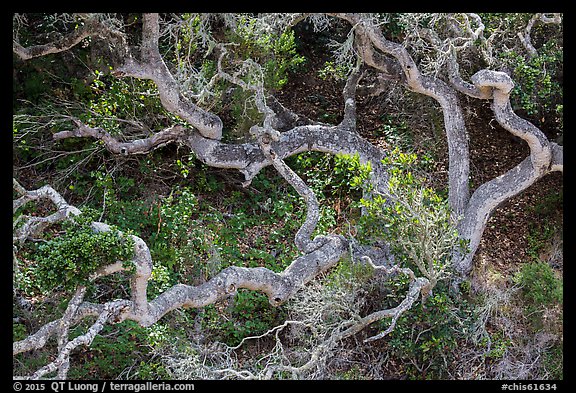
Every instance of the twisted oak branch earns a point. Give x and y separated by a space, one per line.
347 328
152 66
90 27
138 146
373 44
33 226
278 286
545 157
248 158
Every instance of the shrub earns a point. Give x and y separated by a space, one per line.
413 218
276 51
66 261
248 314
426 338
540 287
117 348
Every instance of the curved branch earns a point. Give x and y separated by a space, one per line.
557 164
302 239
140 146
458 152
152 66
34 225
502 85
91 27
278 286
110 311
525 38
248 158
464 87
417 287
544 158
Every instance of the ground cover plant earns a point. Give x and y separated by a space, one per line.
287 196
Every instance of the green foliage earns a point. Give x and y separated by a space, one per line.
249 314
349 275
539 239
115 349
19 332
538 89
550 205
392 26
192 239
338 181
498 345
427 338
66 261
412 217
275 52
350 173
540 286
553 361
334 70
110 98
277 57
396 133
339 176
152 370
205 226
188 39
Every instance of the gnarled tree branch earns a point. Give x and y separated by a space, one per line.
90 26
458 152
152 66
544 158
278 286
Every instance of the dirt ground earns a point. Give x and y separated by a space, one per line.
506 241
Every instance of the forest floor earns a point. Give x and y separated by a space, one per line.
509 236
524 228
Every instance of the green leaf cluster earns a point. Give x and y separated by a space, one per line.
248 314
67 261
331 69
427 337
276 52
338 181
109 98
540 286
538 88
339 175
412 217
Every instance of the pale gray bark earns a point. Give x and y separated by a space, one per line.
545 157
152 66
324 254
248 158
472 212
33 226
281 135
457 138
91 26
